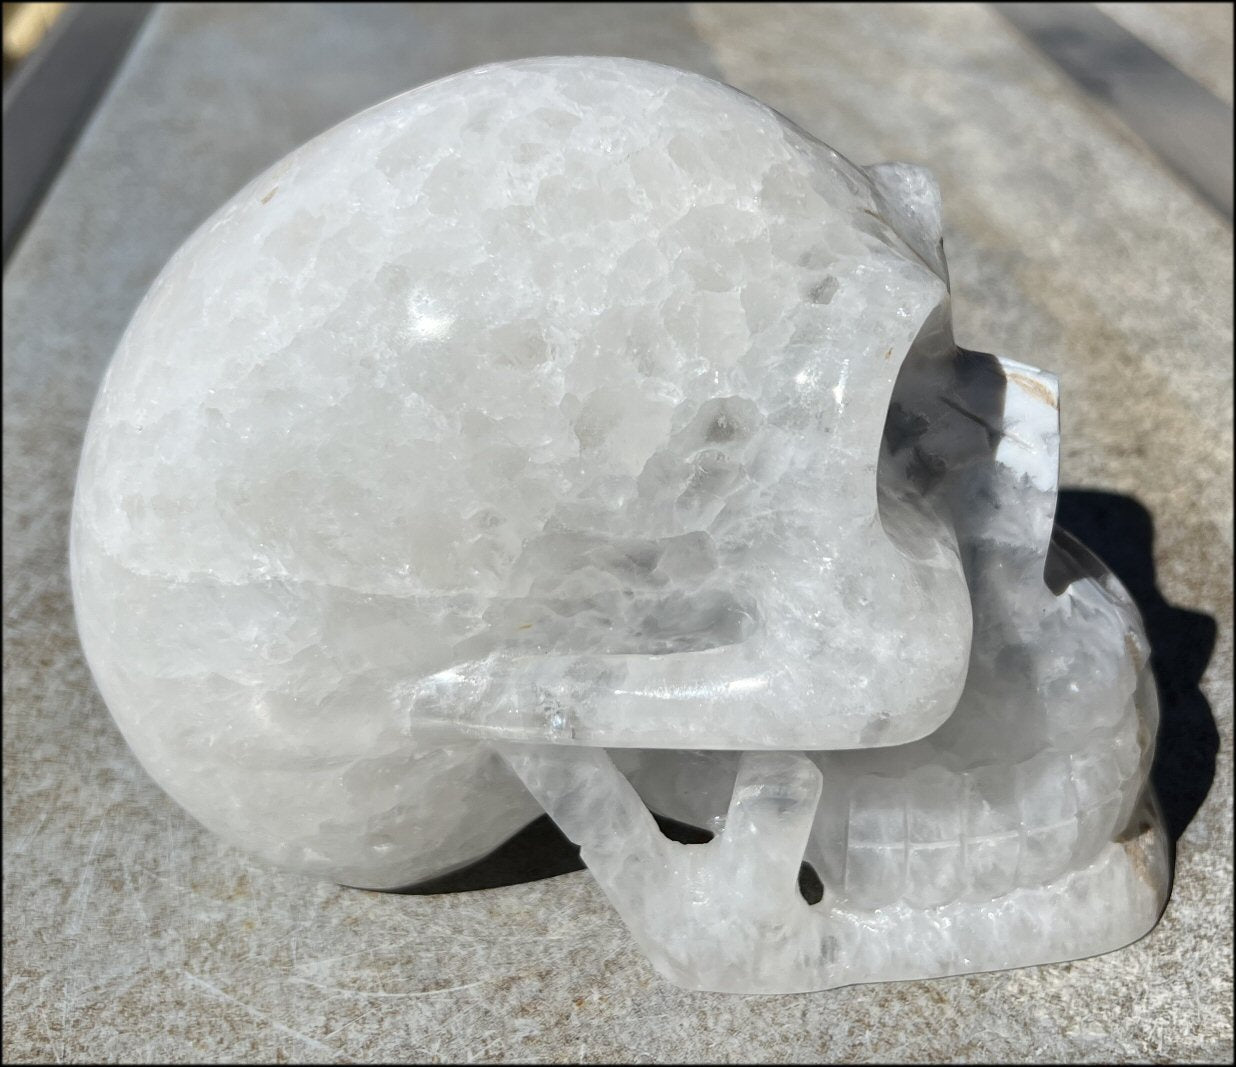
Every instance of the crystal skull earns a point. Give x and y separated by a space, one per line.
580 435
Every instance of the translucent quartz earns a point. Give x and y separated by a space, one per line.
581 435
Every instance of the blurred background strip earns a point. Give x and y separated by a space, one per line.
1185 124
58 61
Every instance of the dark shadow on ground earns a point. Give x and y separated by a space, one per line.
1120 531
539 850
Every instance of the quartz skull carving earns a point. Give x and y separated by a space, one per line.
580 435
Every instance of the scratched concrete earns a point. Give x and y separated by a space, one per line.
131 935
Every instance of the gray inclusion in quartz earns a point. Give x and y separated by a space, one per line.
579 434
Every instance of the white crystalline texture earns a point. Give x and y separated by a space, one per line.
579 434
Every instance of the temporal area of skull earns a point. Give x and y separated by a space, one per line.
648 569
673 563
772 566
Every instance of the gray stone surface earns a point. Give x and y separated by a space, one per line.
1197 37
130 934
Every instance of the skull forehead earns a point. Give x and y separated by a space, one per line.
435 324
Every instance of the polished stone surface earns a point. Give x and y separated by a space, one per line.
130 933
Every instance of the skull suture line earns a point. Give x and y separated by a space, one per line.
582 430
